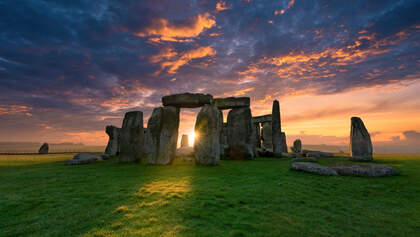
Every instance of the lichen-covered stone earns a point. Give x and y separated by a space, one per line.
266 136
364 170
313 168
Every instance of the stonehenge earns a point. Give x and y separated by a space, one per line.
276 128
232 102
132 137
240 136
113 147
360 143
44 149
187 100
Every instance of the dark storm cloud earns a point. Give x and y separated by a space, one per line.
98 59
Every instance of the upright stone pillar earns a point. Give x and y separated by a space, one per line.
207 140
257 135
360 143
266 136
113 147
184 141
132 137
276 127
283 142
162 135
240 136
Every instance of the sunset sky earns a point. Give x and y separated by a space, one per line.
69 68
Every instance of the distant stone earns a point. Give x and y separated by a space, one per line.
207 129
313 168
276 128
266 136
262 118
317 154
184 152
162 135
132 137
184 141
232 102
360 143
305 159
113 147
364 170
43 149
187 100
83 158
297 146
286 155
283 142
240 136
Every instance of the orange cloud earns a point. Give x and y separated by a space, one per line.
171 60
16 109
221 6
163 30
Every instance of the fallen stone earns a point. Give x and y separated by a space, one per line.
262 118
162 135
232 102
83 158
43 149
360 143
184 152
207 129
184 141
113 147
187 100
240 135
132 137
317 154
313 168
305 159
364 170
297 146
276 128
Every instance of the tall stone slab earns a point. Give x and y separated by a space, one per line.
224 145
257 130
267 136
132 137
283 143
276 127
360 143
297 146
207 140
240 135
162 135
113 147
184 141
44 149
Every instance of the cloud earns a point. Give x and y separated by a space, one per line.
221 6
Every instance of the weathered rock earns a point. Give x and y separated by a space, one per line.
83 158
285 155
113 147
184 141
262 152
317 154
232 102
360 143
257 133
187 100
162 135
313 168
276 128
224 146
44 149
262 118
364 170
184 152
283 142
240 136
305 159
207 141
132 137
266 136
297 146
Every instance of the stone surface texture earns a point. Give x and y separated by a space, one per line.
364 170
232 102
360 143
266 136
132 137
240 135
276 128
113 147
187 100
313 168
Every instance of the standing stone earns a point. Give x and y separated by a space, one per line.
266 136
184 141
207 140
224 146
283 143
360 143
240 135
257 130
44 149
162 135
113 147
276 127
132 137
297 146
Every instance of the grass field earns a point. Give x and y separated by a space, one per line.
40 196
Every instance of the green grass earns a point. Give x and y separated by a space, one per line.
40 196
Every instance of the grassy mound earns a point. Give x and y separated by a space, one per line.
41 196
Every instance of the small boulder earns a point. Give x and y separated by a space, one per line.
313 168
187 100
364 170
43 149
317 154
83 158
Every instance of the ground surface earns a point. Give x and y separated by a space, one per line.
40 196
